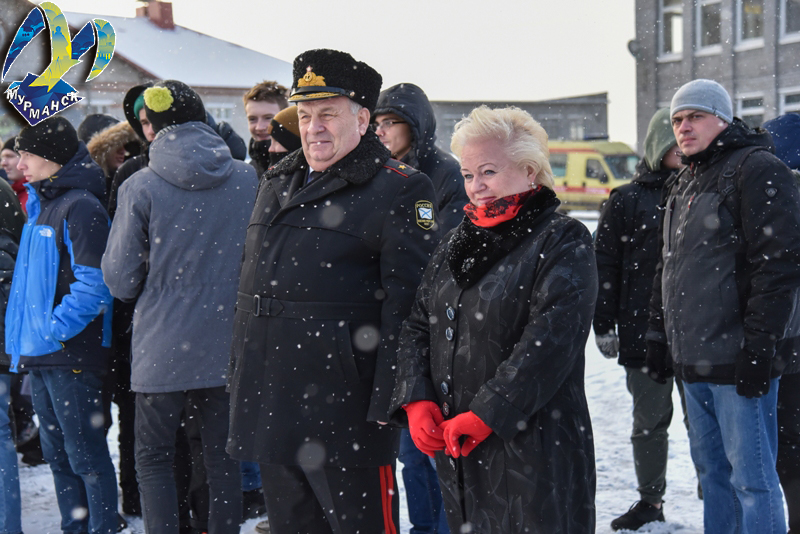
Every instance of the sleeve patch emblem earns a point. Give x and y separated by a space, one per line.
424 210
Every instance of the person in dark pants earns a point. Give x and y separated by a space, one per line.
722 312
10 502
785 132
58 270
405 123
110 147
626 246
337 242
186 213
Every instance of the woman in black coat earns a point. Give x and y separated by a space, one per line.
491 360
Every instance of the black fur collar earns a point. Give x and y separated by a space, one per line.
358 167
474 250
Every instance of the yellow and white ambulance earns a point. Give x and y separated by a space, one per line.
585 172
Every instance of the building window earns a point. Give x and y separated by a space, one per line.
709 18
751 110
790 100
671 27
790 16
98 106
577 130
750 19
220 112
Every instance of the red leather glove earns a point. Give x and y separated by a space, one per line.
465 424
424 418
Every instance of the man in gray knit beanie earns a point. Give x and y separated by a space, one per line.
721 313
703 95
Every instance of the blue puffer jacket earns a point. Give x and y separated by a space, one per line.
57 315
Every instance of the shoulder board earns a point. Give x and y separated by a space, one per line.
402 169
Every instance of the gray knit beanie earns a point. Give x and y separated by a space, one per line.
703 95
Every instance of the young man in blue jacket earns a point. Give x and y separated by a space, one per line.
58 321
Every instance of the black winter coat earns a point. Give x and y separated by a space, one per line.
335 264
9 245
722 286
626 246
409 102
502 334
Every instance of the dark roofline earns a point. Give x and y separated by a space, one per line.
595 98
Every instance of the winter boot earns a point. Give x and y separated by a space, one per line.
639 514
253 504
121 523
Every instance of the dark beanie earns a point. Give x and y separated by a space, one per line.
94 123
53 139
172 102
9 145
285 129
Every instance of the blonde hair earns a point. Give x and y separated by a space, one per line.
523 139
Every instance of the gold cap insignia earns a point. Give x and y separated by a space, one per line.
310 79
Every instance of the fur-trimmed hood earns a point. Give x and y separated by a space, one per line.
104 143
357 167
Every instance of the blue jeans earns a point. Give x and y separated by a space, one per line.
425 510
734 445
10 505
251 476
70 411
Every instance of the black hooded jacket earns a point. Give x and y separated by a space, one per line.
626 246
409 102
720 285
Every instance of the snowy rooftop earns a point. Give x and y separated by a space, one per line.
194 58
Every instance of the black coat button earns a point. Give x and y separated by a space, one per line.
445 388
445 409
449 334
451 313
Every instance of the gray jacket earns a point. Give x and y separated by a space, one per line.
176 246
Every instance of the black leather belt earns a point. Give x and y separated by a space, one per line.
321 311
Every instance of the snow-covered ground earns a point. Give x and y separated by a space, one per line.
610 406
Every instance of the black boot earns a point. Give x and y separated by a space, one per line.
638 515
253 504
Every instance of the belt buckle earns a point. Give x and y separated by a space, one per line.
256 305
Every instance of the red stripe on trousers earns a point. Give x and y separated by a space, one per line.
387 491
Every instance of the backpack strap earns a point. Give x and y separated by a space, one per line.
729 179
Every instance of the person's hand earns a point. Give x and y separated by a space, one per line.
466 424
752 374
424 418
657 360
608 344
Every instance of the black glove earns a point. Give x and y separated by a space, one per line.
659 366
752 374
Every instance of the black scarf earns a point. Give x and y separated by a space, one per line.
473 250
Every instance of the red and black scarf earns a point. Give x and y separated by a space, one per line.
500 210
